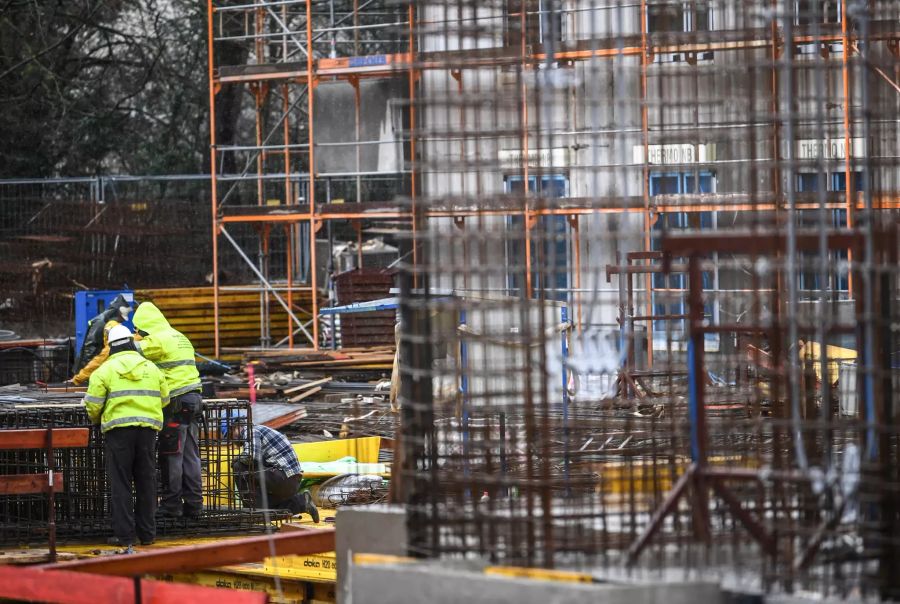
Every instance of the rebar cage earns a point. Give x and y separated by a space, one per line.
82 506
649 309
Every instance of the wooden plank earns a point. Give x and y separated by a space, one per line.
63 438
32 556
318 382
29 484
342 352
308 393
207 290
246 305
284 420
68 587
230 325
342 362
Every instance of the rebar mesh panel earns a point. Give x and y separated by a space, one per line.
649 318
82 508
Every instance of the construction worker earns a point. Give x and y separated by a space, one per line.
126 396
95 348
267 465
179 449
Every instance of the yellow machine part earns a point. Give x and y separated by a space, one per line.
365 450
812 351
646 477
538 574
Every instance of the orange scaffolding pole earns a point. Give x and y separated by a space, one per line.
289 228
645 140
413 76
576 247
312 81
848 151
526 216
213 174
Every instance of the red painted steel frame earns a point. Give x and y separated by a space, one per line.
66 587
208 555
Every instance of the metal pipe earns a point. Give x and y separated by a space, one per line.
333 51
214 196
238 7
786 114
848 150
313 224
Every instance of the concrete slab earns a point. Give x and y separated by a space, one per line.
371 529
430 582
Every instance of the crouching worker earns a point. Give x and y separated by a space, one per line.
270 478
126 396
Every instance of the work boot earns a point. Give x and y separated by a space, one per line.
115 541
192 513
311 508
173 514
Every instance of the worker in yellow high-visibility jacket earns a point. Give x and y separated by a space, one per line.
126 396
179 447
95 348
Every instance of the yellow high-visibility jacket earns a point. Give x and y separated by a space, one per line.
168 348
84 375
127 390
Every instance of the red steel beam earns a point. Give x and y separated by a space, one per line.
761 243
208 555
66 587
37 439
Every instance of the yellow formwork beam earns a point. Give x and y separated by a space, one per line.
538 574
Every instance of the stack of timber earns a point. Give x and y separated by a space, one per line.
190 311
307 359
295 375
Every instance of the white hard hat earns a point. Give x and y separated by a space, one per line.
119 333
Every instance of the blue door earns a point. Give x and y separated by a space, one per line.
665 303
549 242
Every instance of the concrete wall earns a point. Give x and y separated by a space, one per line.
371 529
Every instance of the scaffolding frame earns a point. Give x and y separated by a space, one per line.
313 67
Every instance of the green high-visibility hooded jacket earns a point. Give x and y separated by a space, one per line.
168 348
127 390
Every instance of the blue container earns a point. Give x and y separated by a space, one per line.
89 304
